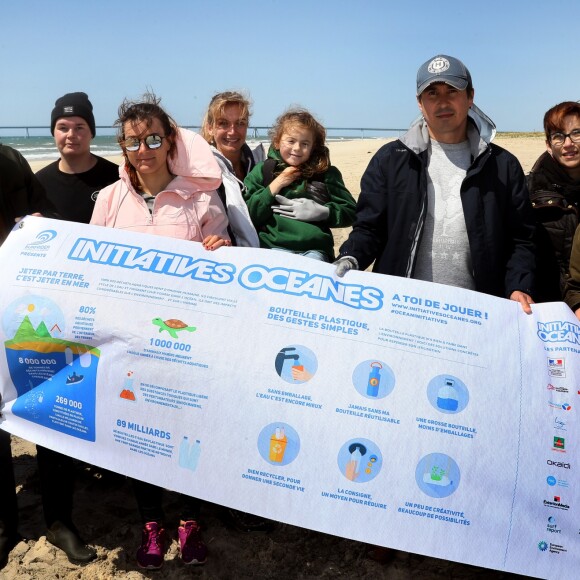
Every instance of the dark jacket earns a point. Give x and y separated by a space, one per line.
572 291
555 198
20 192
392 207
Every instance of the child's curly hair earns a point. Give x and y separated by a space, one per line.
319 160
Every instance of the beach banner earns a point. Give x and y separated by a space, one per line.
391 411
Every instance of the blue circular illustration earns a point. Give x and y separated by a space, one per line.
551 480
360 460
437 475
30 314
373 379
447 394
296 364
278 444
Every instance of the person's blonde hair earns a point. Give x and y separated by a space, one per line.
216 109
319 160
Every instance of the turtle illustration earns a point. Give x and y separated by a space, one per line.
172 326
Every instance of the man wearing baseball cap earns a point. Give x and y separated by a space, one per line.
73 181
444 204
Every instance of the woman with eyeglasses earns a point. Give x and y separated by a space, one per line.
554 185
168 182
168 188
225 127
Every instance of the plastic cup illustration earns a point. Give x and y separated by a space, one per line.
278 442
297 367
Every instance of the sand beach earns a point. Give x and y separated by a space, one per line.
106 513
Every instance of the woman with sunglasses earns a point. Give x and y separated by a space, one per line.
167 188
554 185
224 127
165 168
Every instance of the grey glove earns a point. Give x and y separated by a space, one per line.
301 209
344 264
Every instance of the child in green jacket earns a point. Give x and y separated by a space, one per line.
296 195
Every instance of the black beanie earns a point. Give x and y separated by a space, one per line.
73 105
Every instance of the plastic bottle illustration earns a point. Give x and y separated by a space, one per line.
278 442
374 379
184 452
194 454
447 396
356 456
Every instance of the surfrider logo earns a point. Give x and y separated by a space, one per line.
43 238
438 65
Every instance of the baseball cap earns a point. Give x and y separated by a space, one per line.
443 69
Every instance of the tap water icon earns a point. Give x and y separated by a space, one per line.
295 364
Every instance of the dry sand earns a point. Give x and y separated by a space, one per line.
106 514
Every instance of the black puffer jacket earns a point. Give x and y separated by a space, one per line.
556 201
20 192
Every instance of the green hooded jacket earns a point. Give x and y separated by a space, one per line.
276 231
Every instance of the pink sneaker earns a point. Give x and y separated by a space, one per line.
192 548
150 554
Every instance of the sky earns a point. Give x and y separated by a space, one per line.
351 63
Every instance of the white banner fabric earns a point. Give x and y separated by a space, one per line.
391 411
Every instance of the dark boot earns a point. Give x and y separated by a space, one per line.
8 540
68 540
8 503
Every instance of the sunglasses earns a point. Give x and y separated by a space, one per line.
153 141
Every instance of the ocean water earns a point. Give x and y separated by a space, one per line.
42 148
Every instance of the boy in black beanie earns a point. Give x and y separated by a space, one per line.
73 182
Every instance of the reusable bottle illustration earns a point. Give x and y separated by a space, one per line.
374 379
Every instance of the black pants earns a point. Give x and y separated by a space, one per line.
150 502
8 501
56 472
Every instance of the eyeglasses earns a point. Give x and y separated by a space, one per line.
560 138
153 141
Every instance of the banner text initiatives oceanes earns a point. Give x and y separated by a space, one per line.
253 277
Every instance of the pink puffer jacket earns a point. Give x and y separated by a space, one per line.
189 208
